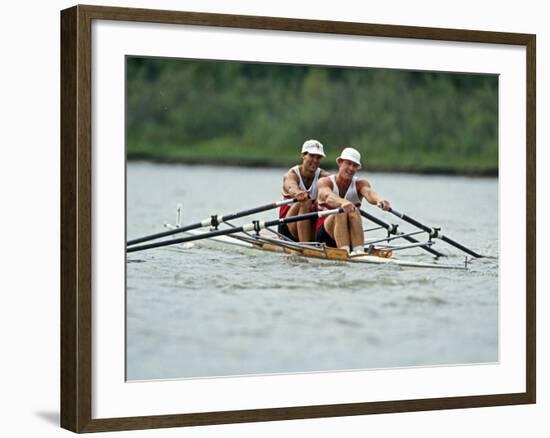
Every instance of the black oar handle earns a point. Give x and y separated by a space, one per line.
392 229
434 232
253 226
213 221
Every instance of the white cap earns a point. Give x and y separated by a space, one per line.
350 154
313 147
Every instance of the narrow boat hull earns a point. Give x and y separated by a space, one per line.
332 254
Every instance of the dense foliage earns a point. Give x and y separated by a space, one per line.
259 114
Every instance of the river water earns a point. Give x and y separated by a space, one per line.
195 311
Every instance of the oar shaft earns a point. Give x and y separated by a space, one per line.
396 236
211 221
253 226
425 247
183 239
414 222
392 230
259 209
377 221
433 232
165 233
459 246
400 247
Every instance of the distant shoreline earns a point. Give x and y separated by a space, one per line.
265 163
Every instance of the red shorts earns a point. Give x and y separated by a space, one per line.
320 222
322 235
283 210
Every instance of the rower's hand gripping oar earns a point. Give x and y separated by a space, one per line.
212 221
392 229
434 233
253 226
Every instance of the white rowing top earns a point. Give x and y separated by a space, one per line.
312 190
351 193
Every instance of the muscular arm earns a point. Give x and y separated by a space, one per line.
329 198
365 189
291 186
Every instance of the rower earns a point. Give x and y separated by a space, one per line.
300 183
347 191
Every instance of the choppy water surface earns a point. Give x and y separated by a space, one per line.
196 311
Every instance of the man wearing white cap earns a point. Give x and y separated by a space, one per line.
300 183
345 190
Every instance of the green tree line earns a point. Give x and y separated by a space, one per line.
259 114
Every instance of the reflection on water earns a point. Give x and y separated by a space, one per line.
199 310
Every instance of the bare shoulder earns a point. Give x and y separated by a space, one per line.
291 174
362 184
324 182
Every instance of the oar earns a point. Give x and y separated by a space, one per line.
213 221
434 232
253 226
392 229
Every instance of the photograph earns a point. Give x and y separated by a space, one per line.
296 218
275 219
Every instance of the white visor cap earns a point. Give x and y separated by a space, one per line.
313 147
350 154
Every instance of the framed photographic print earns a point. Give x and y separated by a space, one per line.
269 218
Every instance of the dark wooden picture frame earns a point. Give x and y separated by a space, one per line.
76 218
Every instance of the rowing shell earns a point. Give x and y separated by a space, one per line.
322 252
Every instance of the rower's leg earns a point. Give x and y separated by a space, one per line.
328 225
305 228
294 210
341 230
356 234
